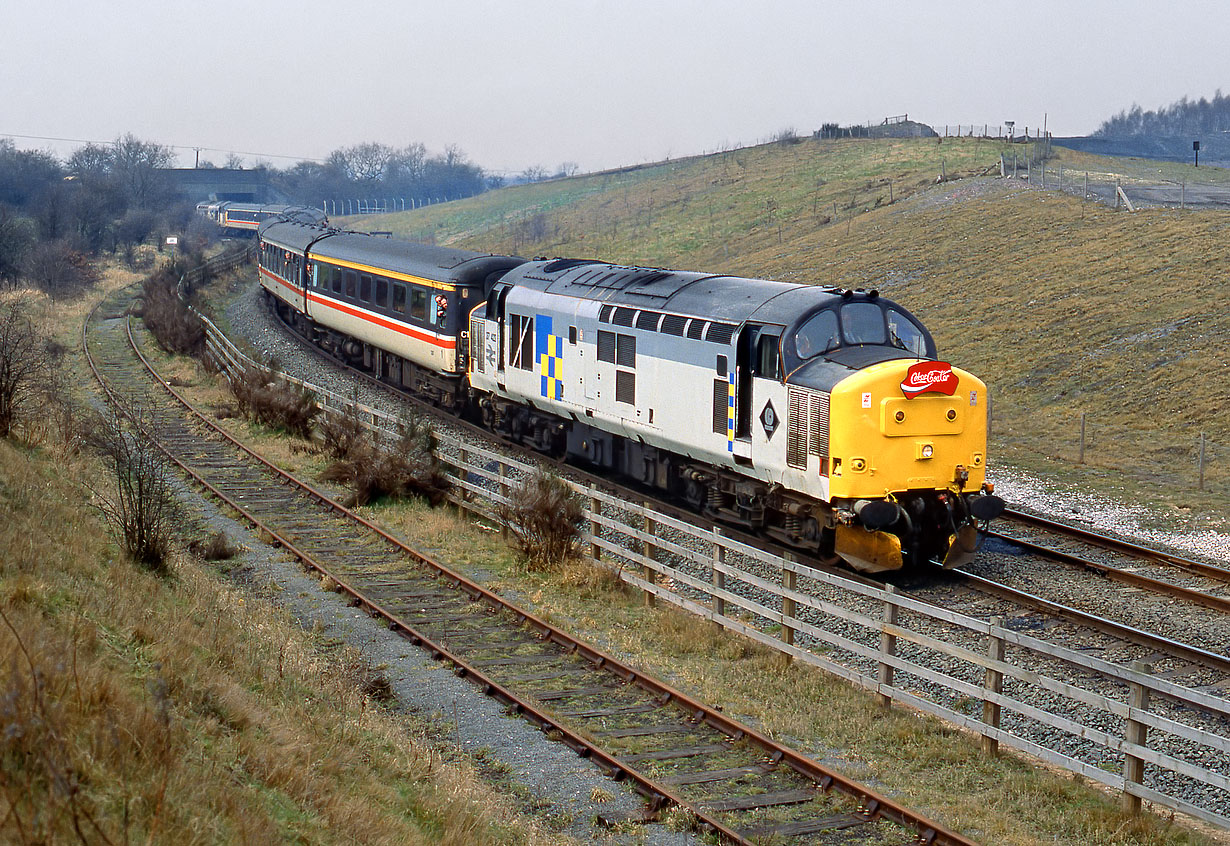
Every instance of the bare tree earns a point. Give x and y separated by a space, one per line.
60 271
16 239
26 359
139 505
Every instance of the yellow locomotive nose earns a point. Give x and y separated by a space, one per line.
894 441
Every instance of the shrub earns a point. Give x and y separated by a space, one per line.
401 468
59 271
140 506
173 325
341 434
263 397
546 521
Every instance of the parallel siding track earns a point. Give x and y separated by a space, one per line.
675 750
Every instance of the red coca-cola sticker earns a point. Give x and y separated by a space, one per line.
926 376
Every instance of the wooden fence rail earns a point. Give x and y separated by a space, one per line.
1010 688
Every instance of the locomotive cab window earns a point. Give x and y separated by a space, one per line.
905 334
863 323
818 335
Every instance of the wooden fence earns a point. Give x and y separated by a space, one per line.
1123 727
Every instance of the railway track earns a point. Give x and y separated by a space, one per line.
675 750
1154 570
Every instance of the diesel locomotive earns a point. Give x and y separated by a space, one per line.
819 416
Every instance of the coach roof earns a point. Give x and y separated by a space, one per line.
444 264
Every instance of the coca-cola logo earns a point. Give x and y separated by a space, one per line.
928 376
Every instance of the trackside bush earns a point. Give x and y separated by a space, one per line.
546 520
398 468
139 504
274 402
174 327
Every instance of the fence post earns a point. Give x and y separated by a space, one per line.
1081 459
1201 487
993 682
888 643
719 578
1137 733
595 509
789 580
1086 185
462 473
1183 194
504 492
649 551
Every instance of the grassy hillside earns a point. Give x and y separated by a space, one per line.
1064 306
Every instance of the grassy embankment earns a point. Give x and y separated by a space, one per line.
160 710
1001 800
1063 306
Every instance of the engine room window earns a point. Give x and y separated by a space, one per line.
818 335
863 323
905 334
521 342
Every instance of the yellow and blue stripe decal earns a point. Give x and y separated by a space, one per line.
549 350
730 413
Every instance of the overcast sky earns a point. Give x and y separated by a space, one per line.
516 83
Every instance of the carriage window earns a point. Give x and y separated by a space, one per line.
818 335
439 310
382 292
863 323
399 298
905 334
350 283
365 288
337 280
418 303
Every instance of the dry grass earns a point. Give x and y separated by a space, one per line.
140 709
